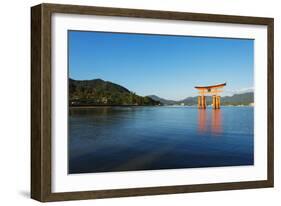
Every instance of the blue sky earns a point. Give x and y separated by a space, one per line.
166 66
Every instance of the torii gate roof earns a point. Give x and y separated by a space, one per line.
211 86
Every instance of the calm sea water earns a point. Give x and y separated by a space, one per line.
106 139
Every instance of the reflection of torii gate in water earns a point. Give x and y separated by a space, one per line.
213 90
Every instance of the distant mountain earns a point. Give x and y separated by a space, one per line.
187 101
163 101
100 92
193 101
236 99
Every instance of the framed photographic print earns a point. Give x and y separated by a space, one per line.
130 102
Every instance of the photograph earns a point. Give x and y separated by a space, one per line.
133 102
140 102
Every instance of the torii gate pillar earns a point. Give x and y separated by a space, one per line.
202 102
216 102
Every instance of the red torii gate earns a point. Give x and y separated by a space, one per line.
213 90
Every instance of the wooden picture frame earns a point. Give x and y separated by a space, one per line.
41 116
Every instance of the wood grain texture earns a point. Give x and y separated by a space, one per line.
36 58
270 102
40 102
41 84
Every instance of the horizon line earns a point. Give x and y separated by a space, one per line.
240 91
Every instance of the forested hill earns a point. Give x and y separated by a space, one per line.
100 92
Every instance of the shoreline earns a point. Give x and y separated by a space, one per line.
94 106
100 106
